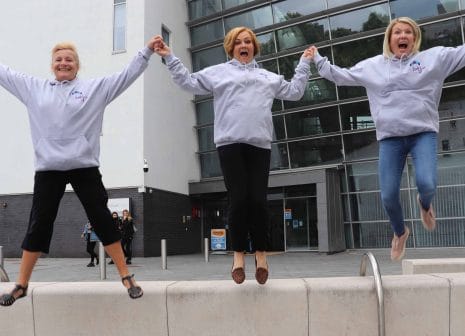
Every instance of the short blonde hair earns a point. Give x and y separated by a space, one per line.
67 46
387 52
230 38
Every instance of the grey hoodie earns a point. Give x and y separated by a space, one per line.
403 93
66 117
242 97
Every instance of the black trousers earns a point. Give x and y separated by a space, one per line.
246 169
91 250
127 248
49 187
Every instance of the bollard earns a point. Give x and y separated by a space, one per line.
3 275
1 256
163 254
102 260
206 249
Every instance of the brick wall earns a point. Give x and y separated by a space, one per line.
166 218
157 214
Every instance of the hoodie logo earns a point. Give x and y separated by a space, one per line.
416 66
78 95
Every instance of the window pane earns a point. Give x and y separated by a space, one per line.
447 34
204 112
211 31
360 146
315 152
303 34
364 176
253 19
356 116
290 9
204 58
349 54
119 1
119 29
270 65
452 102
337 3
279 158
210 164
279 131
165 34
205 137
200 8
267 45
300 190
420 9
233 3
313 122
317 91
364 19
451 135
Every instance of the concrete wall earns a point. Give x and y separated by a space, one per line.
415 305
170 140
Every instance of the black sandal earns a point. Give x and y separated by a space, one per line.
9 299
134 291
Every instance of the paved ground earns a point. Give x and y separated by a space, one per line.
194 267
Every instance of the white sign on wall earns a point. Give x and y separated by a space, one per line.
118 205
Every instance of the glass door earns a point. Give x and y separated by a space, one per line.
300 224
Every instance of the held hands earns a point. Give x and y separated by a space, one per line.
160 47
310 52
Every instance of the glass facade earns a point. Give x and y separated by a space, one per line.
332 125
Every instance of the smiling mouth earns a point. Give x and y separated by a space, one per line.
403 45
244 53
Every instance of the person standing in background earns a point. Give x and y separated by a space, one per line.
127 234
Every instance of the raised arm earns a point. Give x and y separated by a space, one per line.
117 83
195 83
295 88
340 76
18 84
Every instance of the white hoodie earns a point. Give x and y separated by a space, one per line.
242 97
66 117
403 93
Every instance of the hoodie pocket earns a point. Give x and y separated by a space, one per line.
63 154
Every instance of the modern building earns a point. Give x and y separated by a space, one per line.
323 190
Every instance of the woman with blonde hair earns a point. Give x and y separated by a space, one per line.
242 97
404 88
66 116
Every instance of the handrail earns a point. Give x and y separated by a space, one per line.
3 275
379 288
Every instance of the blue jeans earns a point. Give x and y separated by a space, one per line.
392 156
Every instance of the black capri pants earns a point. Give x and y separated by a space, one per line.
49 187
245 170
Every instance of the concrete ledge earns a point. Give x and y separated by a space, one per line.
415 305
439 265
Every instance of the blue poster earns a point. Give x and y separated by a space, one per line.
218 240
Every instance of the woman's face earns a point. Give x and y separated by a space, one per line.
125 213
243 48
64 65
115 215
402 39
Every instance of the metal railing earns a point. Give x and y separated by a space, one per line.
378 286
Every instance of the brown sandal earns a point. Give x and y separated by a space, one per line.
9 299
133 290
